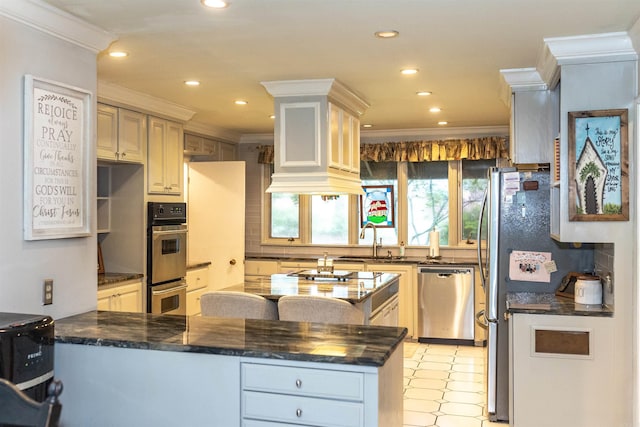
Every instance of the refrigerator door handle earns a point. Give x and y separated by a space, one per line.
483 278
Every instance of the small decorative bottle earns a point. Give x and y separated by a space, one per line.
401 249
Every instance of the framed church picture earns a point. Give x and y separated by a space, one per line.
598 165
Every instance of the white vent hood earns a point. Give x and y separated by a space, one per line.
316 137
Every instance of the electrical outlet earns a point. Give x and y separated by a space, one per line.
47 292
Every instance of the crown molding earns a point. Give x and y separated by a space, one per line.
331 88
519 80
55 22
634 35
584 49
121 96
208 130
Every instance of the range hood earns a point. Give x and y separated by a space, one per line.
316 137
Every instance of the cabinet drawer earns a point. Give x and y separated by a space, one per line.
197 279
303 381
193 301
301 410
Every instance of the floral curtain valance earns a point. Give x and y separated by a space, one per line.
491 147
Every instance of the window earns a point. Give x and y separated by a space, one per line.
474 182
427 201
285 215
381 173
330 220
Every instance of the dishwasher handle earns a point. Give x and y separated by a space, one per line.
444 272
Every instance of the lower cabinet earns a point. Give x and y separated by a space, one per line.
562 371
197 284
406 303
261 268
126 296
288 393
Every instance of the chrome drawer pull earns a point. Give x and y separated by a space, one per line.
298 413
298 383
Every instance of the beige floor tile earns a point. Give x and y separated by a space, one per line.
467 376
487 423
463 397
428 383
440 358
410 363
478 369
469 360
423 393
414 418
466 409
442 349
428 373
436 366
421 405
465 386
457 421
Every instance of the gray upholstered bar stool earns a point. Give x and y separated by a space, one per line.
311 308
237 305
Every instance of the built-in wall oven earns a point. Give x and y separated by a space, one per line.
166 258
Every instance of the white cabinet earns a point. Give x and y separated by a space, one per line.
562 371
289 393
533 126
121 134
406 294
261 267
344 140
226 151
164 157
126 296
197 284
388 314
203 148
293 266
479 297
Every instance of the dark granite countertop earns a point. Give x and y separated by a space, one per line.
547 303
106 279
362 259
272 339
361 286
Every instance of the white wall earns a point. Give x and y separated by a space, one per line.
71 263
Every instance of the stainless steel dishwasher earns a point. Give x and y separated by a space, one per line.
445 304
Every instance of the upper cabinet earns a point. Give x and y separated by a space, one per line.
121 135
344 140
534 121
203 148
164 157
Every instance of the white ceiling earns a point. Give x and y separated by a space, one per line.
458 45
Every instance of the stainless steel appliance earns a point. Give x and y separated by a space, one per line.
517 210
26 352
166 258
445 305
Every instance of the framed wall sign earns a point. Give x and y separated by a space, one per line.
57 133
598 165
377 205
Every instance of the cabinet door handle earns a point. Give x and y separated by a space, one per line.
233 261
298 412
298 383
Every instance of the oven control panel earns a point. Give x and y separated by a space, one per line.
167 213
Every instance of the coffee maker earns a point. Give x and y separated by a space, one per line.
26 352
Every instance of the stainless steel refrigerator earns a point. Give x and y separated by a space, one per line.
516 208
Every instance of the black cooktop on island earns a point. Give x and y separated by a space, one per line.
340 275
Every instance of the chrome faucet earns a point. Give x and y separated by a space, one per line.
374 247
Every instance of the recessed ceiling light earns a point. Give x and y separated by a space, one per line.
408 71
192 83
118 54
386 34
435 109
215 4
423 93
241 102
367 126
443 122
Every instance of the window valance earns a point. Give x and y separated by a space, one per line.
490 147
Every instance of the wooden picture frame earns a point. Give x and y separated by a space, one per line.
57 141
377 205
598 165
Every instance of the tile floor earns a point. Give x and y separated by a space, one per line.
444 386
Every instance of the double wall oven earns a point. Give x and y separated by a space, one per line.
166 258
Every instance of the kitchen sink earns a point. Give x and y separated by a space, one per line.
369 258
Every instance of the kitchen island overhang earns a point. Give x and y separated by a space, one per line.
144 369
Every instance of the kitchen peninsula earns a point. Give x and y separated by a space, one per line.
372 292
144 369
